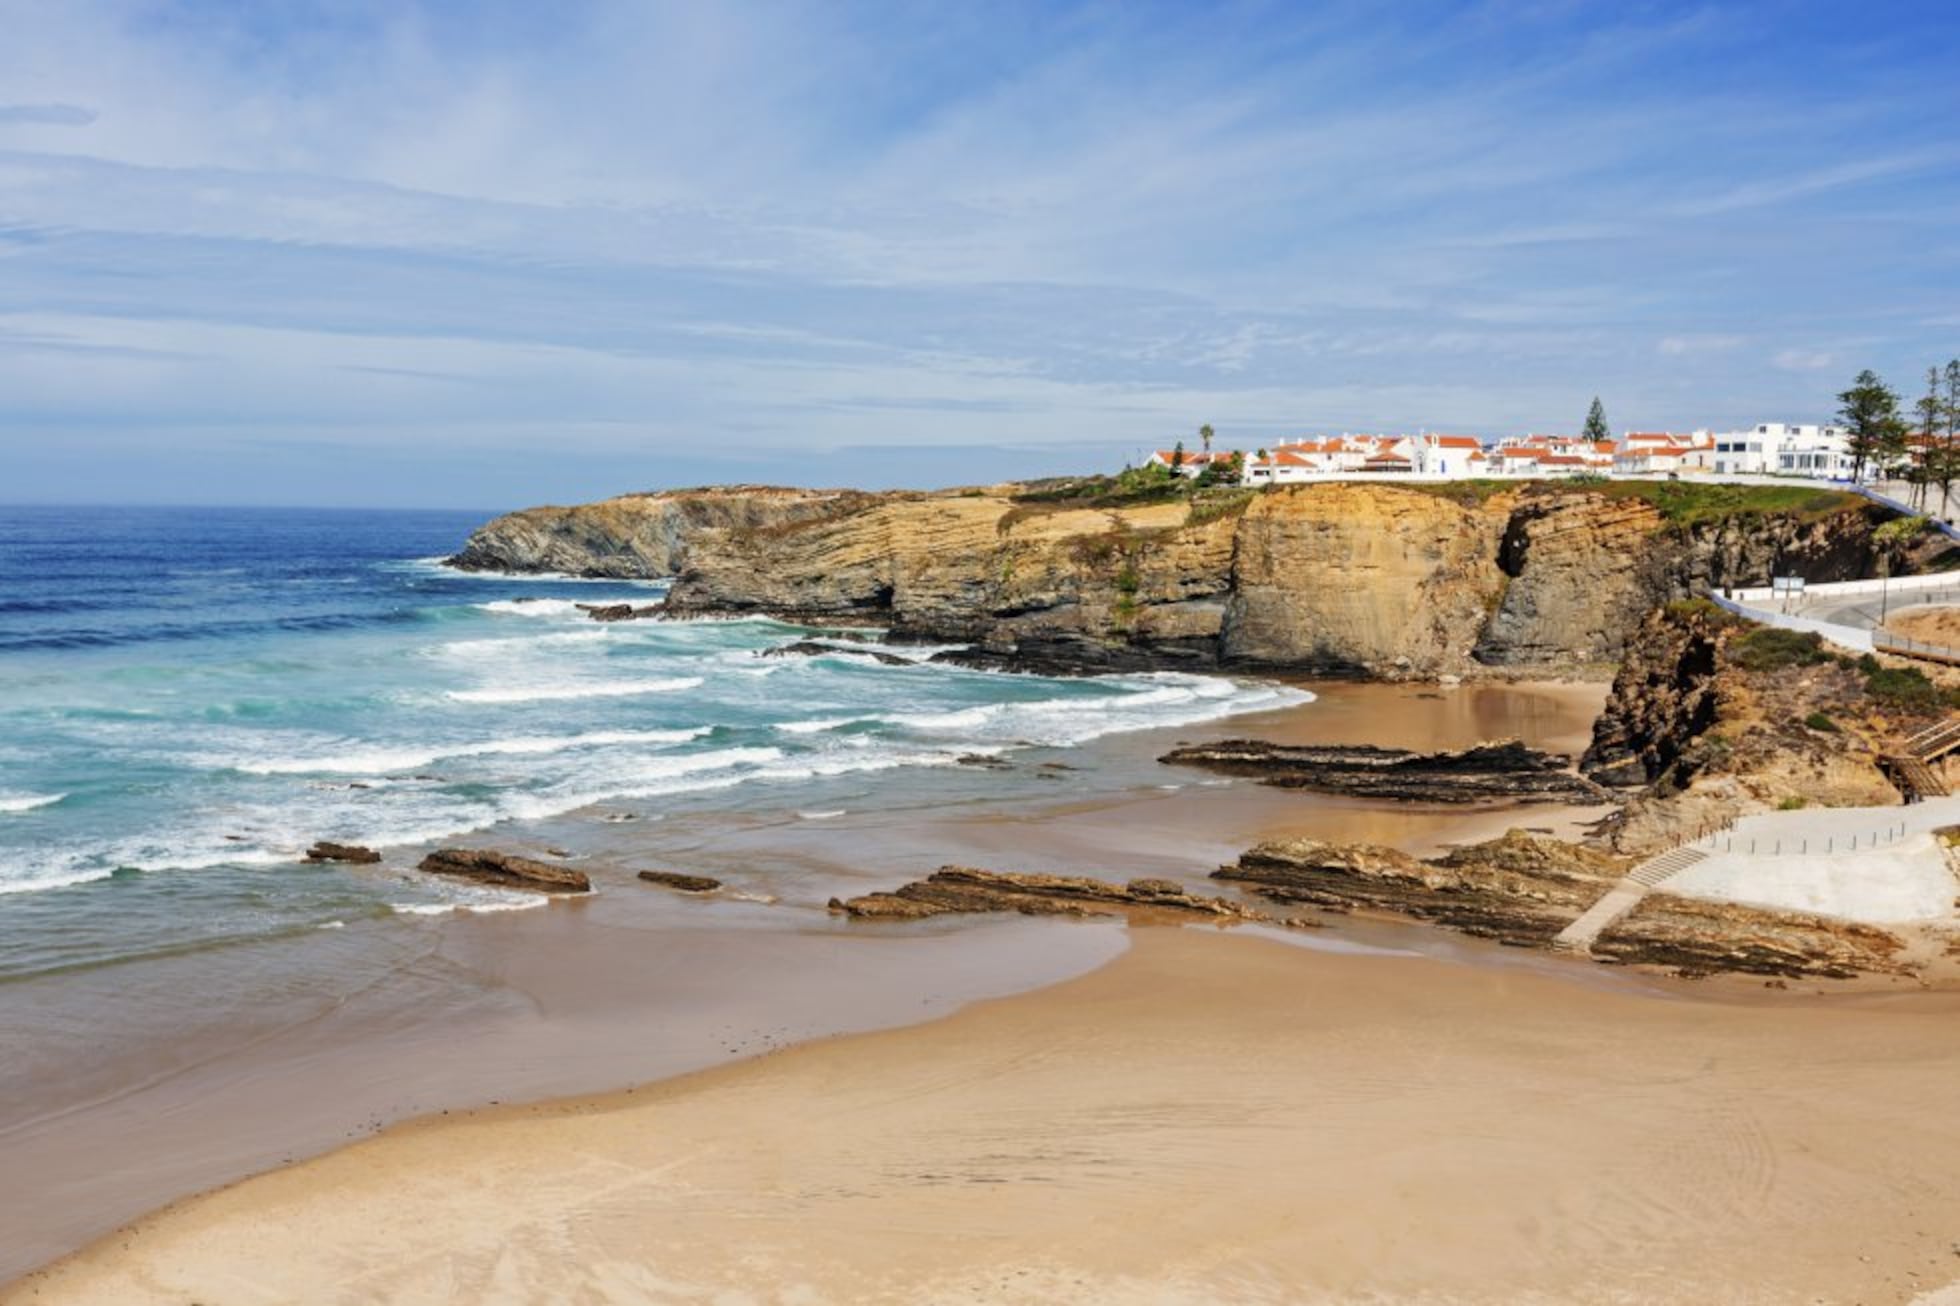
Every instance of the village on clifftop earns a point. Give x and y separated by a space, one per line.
1769 449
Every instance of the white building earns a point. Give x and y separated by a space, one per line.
1783 449
1663 453
1186 463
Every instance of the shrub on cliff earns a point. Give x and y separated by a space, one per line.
1768 648
1905 688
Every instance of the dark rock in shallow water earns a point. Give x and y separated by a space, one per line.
1506 771
328 851
816 648
488 867
685 883
618 611
953 889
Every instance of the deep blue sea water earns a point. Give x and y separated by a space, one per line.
190 697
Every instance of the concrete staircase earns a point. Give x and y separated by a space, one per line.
1624 896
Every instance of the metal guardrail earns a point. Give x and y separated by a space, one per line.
1803 845
1884 641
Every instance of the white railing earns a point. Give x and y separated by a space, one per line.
1851 637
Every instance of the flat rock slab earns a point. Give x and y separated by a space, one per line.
1506 771
489 867
955 889
685 883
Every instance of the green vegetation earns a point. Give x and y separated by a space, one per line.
1821 723
1700 609
1873 429
1900 531
1219 504
1793 803
1596 428
1904 688
1767 648
1690 503
1471 493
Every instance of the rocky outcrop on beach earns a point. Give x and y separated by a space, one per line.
1505 771
505 870
1711 718
328 851
1522 889
1695 937
1350 578
960 889
680 880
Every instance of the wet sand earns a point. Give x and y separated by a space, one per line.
126 1088
1207 1119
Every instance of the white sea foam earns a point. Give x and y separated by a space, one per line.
525 903
829 815
16 802
380 761
534 607
553 693
818 725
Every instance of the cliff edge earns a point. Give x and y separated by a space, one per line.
1346 578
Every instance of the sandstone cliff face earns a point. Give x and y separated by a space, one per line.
635 536
1363 577
1704 738
1354 578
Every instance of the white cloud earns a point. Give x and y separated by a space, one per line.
1802 360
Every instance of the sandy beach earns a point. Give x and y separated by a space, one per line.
1377 1111
1208 1118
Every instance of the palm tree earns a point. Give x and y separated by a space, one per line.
1204 433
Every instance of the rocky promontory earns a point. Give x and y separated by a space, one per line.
1367 579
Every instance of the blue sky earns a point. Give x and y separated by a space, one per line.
494 253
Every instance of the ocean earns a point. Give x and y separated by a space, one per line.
191 697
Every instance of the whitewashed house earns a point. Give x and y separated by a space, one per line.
1783 449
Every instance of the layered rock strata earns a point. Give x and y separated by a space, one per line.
1522 889
960 889
486 866
1505 771
1350 578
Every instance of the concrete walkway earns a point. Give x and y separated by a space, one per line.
1881 865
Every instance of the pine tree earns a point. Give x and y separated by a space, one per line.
1177 456
1926 454
1869 413
1950 417
1596 428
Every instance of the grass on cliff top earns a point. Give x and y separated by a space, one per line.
1684 503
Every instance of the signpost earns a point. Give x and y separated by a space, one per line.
1786 588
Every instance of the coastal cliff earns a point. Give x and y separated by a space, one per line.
1353 578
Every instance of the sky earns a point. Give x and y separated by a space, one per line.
485 253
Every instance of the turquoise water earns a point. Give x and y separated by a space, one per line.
189 698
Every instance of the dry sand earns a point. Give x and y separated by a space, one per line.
1928 625
1208 1118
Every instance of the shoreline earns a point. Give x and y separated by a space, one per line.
1143 1133
422 1014
563 989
